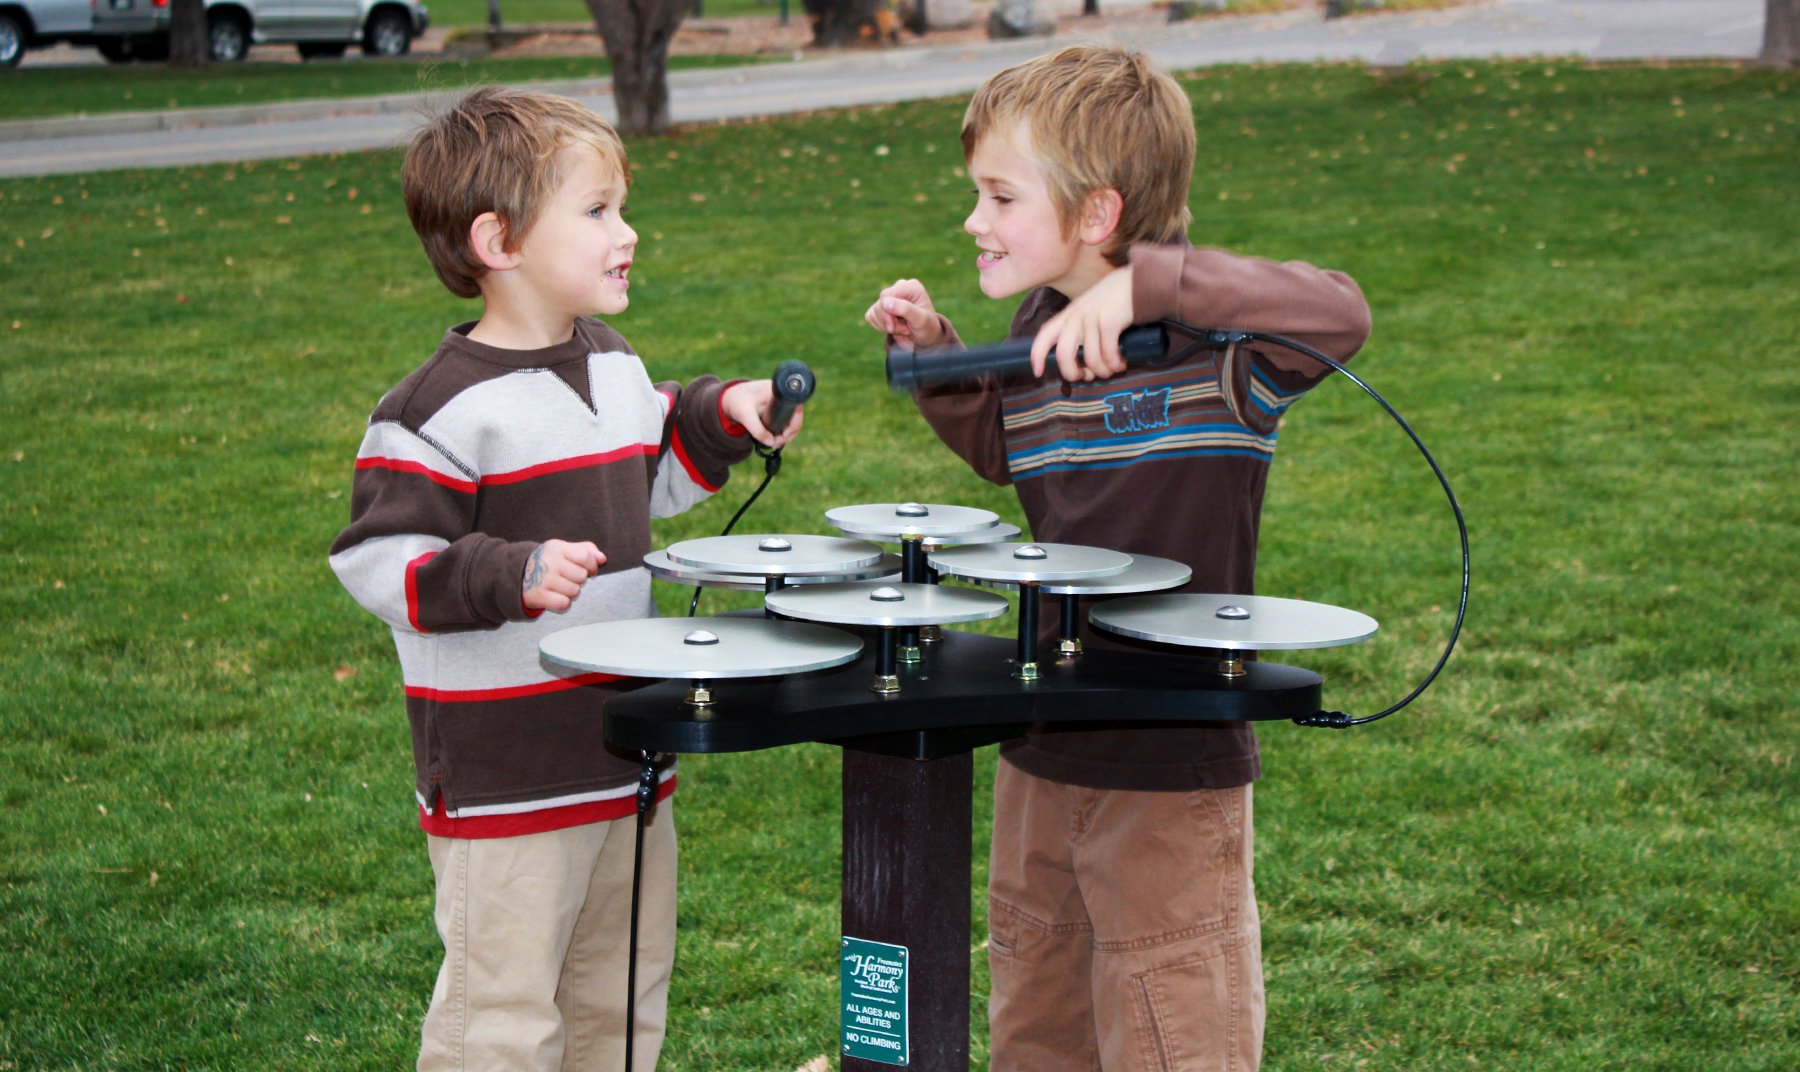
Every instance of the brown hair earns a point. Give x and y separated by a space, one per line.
1097 118
494 150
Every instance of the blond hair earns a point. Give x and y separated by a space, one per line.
1098 118
495 151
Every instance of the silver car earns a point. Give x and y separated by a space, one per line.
139 29
36 23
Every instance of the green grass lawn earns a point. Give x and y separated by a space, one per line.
1576 852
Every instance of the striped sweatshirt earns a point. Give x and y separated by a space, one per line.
468 464
1170 462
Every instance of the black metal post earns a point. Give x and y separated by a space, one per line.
906 874
1027 669
1068 640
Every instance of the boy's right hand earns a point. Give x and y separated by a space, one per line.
556 571
904 312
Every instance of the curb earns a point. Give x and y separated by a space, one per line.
419 102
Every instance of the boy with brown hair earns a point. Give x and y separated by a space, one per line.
516 472
1123 928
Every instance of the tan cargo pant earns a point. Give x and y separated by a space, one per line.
1123 931
535 931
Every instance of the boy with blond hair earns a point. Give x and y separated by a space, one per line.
1123 927
515 473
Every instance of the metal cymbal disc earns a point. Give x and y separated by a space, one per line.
995 533
775 556
992 534
664 569
700 647
1022 562
1145 574
873 603
895 520
1233 622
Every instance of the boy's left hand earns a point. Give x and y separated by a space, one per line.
1093 323
749 402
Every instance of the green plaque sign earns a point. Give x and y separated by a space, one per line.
873 988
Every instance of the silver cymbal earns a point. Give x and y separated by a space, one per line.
1029 562
894 520
1002 530
995 533
877 603
1233 622
1146 573
775 556
700 647
663 568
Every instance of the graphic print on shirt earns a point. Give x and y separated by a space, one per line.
1162 413
1137 411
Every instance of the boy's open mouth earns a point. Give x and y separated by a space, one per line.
619 272
988 258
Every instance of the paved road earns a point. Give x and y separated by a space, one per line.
1593 29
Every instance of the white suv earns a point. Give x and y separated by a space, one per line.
37 23
139 29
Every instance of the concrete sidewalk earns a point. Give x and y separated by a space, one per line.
1602 30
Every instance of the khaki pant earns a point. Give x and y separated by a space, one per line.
535 933
1123 932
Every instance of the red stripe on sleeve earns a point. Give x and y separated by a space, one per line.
732 428
687 463
412 589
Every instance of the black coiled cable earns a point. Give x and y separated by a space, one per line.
1217 340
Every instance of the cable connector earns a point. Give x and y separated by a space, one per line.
647 779
771 460
1331 720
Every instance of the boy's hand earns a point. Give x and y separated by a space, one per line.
1093 322
749 402
904 311
556 571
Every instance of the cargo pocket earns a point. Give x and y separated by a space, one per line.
1189 1016
1003 931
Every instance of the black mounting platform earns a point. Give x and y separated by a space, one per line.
961 696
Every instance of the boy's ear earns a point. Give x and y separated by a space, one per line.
1100 212
487 237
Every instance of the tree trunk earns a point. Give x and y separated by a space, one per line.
187 34
841 22
1781 34
637 35
493 16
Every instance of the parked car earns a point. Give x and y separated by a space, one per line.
139 29
36 23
